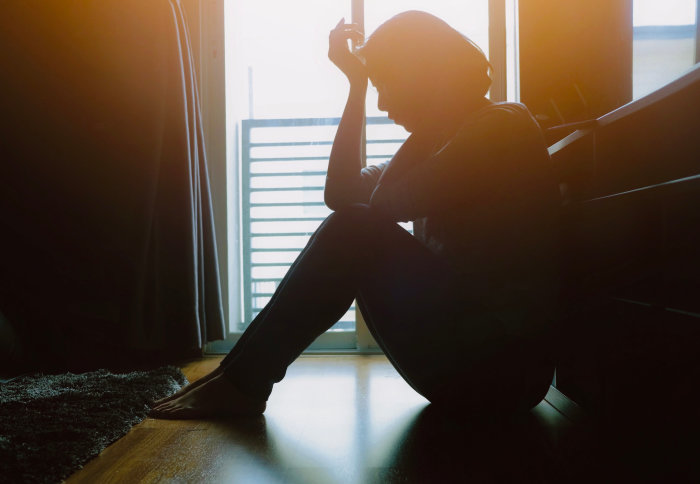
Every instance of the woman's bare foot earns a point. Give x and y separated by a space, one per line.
216 398
190 387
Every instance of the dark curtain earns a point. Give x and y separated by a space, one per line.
108 242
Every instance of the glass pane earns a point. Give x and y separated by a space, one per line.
664 42
278 65
282 95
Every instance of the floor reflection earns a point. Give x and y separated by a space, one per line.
362 424
439 447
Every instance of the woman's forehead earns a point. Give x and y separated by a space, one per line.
384 76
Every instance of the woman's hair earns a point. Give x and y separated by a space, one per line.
421 45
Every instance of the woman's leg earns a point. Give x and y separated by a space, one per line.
407 291
317 290
445 346
241 343
253 326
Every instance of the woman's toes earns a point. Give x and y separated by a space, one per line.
162 409
162 401
169 398
215 398
155 413
174 412
184 391
159 406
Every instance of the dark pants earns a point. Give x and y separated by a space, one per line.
445 346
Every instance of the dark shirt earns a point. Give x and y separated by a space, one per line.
486 200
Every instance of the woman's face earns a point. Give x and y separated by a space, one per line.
403 103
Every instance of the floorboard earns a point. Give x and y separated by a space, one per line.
337 419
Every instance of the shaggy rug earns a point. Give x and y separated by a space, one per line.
51 425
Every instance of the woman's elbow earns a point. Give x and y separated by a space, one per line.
338 201
331 200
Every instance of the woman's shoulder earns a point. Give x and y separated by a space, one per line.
501 118
512 111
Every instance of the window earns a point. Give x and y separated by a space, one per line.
283 99
664 42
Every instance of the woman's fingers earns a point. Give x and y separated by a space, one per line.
341 36
338 39
340 54
343 27
342 23
356 35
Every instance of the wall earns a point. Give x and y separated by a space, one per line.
575 58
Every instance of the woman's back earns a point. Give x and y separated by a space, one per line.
487 201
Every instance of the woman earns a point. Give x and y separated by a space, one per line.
464 309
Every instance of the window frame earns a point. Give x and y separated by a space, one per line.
206 22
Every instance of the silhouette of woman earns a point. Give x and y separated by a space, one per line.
464 309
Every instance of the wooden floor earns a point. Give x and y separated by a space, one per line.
338 419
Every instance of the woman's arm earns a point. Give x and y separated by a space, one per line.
344 184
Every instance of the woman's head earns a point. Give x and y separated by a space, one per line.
422 64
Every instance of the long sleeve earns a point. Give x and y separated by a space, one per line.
367 182
370 178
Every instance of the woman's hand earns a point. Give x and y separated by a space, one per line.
340 54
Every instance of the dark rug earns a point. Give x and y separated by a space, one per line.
51 425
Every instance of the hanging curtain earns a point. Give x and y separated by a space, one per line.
104 190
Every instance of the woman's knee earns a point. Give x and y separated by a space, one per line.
357 212
354 221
